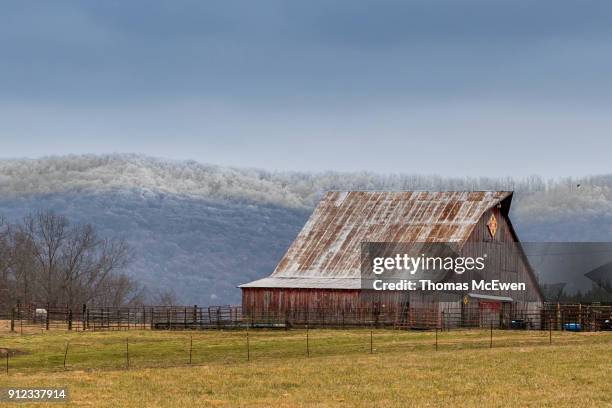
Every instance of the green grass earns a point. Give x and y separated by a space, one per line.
521 369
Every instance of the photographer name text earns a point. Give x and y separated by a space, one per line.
426 285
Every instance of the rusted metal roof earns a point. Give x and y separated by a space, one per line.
326 253
307 282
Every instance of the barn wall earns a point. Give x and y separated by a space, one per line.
336 304
504 261
275 300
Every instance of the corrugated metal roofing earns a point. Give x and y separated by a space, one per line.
306 283
326 253
490 297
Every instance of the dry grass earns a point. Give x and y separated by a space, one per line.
404 370
28 328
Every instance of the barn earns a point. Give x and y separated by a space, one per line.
319 277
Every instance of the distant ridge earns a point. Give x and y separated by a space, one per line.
203 229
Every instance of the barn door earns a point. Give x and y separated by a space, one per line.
489 313
506 315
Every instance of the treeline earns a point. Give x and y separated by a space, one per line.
45 259
556 293
121 172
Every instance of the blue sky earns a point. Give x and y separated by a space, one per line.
450 87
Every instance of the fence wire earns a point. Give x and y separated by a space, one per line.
148 349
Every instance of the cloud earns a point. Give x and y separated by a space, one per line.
100 51
342 82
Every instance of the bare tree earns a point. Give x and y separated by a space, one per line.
47 233
165 297
45 259
5 258
25 284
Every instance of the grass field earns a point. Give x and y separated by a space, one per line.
344 368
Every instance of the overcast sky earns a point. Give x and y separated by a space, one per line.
449 87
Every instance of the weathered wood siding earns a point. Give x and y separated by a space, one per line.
316 304
505 260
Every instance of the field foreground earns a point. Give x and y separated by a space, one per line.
343 368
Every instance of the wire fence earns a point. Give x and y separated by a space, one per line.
148 349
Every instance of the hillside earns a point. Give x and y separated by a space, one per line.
201 230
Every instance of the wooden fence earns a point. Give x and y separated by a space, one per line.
33 318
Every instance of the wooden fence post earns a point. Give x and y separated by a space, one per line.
549 331
491 342
127 353
436 339
248 344
307 343
190 348
66 354
69 319
13 319
48 316
562 320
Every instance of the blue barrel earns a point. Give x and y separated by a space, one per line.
574 327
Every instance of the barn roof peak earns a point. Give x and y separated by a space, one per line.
328 246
